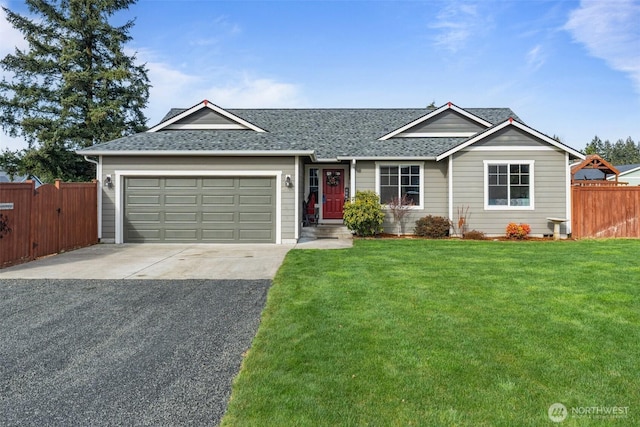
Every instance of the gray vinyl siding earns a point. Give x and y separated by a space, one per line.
447 121
549 190
511 137
435 191
197 163
206 117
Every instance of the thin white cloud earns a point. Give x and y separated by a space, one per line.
182 88
11 38
535 58
256 93
610 31
456 23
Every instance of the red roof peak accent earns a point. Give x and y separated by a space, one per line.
205 102
510 119
449 104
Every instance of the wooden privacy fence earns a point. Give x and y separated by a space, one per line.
605 211
46 220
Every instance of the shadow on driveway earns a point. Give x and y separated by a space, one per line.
123 352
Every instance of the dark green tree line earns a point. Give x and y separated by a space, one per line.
622 152
73 87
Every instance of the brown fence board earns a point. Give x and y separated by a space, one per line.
15 246
605 212
47 220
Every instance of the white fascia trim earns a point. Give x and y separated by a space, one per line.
612 177
511 122
199 126
401 164
234 153
200 106
434 113
436 135
532 193
511 148
121 174
387 159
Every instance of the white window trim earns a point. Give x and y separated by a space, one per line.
531 206
401 164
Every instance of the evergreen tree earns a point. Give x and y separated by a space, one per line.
595 146
73 87
622 152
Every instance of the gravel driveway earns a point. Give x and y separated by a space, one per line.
123 352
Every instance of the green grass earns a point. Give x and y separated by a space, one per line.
440 333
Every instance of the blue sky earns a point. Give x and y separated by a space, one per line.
567 68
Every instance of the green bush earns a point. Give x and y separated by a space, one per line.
364 216
435 227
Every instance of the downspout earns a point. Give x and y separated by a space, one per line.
99 195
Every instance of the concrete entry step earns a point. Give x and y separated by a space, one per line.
326 231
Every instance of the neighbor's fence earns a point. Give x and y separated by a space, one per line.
605 211
46 220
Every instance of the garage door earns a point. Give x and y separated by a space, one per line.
200 209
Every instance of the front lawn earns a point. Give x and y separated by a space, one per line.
439 333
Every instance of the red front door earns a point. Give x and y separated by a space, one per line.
332 193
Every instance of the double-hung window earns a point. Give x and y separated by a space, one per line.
508 184
398 180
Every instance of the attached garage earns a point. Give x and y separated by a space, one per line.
207 209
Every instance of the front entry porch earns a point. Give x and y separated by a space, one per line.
327 187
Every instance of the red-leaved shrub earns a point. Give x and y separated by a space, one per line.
518 231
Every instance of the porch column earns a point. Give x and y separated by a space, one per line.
352 180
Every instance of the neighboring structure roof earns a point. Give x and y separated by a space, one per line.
595 174
4 177
325 134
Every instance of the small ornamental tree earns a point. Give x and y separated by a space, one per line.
400 207
364 215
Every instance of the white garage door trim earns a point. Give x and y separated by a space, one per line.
121 174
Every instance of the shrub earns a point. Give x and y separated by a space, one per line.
433 226
518 231
474 235
400 207
364 216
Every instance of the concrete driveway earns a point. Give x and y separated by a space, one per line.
156 261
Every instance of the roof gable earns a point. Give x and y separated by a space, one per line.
204 116
446 121
504 125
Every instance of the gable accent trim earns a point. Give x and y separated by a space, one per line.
516 124
436 135
447 106
205 104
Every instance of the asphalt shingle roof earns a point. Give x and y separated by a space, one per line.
330 133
